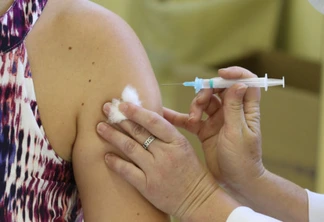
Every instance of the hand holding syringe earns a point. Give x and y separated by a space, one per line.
219 82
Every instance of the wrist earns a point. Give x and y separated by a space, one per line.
254 185
245 189
197 197
247 185
217 205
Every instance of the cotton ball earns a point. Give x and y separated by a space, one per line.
115 116
129 94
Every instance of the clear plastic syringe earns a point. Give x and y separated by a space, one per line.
219 82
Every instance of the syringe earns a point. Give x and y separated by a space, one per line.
219 82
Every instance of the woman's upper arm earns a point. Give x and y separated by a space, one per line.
115 59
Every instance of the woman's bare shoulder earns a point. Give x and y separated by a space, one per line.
100 42
82 19
106 50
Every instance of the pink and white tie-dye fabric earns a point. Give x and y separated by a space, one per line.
35 183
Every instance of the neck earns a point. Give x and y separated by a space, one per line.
4 5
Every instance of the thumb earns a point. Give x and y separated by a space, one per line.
233 105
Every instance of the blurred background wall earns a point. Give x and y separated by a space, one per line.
300 28
292 145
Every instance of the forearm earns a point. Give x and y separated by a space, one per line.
274 196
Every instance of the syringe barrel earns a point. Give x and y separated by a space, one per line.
264 82
219 82
226 83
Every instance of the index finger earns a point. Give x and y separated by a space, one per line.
253 95
151 121
236 72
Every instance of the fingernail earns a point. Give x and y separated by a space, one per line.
102 127
108 157
223 69
191 116
107 108
198 95
123 107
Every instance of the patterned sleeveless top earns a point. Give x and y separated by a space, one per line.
35 183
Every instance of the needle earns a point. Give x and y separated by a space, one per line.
171 84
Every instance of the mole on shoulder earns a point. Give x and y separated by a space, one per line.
89 80
82 104
70 48
93 63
